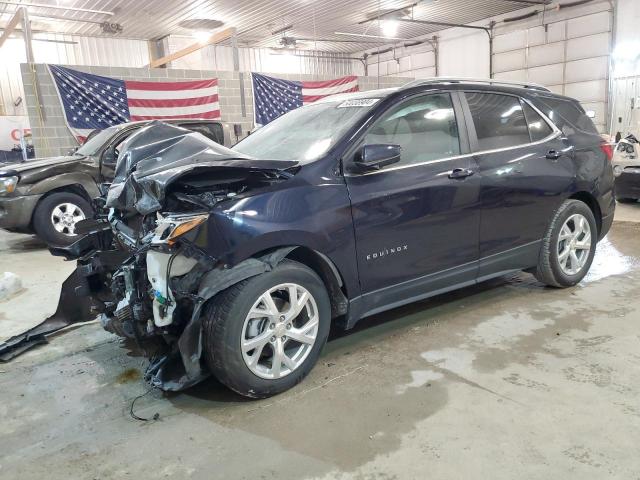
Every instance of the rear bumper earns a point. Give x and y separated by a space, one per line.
16 212
628 185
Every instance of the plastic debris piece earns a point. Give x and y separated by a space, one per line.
10 284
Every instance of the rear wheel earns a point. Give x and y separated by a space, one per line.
263 335
568 246
626 200
56 216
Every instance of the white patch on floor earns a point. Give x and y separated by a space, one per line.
456 360
608 261
419 378
500 331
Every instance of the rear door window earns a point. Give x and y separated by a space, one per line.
539 129
499 120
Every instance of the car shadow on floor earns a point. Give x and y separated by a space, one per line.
18 243
379 326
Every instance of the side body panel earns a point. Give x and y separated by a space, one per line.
301 211
414 222
523 186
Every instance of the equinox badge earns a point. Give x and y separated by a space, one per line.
387 251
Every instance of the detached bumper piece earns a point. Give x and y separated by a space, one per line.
74 306
79 298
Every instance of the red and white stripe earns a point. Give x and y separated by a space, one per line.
165 100
314 91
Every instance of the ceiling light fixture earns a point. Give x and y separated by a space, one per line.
389 28
364 35
201 36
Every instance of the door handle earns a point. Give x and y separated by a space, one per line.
553 155
460 173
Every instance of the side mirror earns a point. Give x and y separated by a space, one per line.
73 150
109 157
376 156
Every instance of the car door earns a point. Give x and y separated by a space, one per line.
416 222
111 152
525 165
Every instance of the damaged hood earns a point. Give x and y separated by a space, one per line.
42 162
159 154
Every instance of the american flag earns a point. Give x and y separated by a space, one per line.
95 102
273 97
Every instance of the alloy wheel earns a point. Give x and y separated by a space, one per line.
279 331
64 218
574 244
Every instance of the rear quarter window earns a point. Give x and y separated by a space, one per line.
567 115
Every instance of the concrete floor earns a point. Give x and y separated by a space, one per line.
504 380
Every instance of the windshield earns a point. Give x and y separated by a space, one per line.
94 144
306 133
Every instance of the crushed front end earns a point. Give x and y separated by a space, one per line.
144 265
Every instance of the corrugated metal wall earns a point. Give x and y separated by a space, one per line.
79 51
418 62
134 53
566 49
219 57
569 55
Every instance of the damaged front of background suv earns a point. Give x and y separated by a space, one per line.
144 264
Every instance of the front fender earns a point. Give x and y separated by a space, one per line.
86 181
298 214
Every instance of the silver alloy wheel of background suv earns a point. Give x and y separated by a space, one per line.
279 331
64 218
574 244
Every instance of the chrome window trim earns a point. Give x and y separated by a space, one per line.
556 132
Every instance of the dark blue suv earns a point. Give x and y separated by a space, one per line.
236 262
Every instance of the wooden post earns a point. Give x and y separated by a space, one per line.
215 38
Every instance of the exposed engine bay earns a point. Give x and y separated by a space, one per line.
144 263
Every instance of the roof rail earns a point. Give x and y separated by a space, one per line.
486 81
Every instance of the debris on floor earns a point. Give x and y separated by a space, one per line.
10 284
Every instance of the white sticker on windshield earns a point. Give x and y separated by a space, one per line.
359 102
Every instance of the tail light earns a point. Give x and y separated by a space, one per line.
607 148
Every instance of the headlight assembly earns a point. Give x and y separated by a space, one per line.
171 227
8 185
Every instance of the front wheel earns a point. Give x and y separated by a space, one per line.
263 335
57 215
568 246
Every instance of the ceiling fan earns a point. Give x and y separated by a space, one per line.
292 42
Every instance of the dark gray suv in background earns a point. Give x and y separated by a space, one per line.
48 196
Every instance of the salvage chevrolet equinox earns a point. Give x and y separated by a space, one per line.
235 262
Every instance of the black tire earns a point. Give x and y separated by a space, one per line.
223 322
626 200
43 224
549 270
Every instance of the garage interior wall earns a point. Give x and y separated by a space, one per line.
115 52
79 51
566 50
220 57
625 117
570 54
52 137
